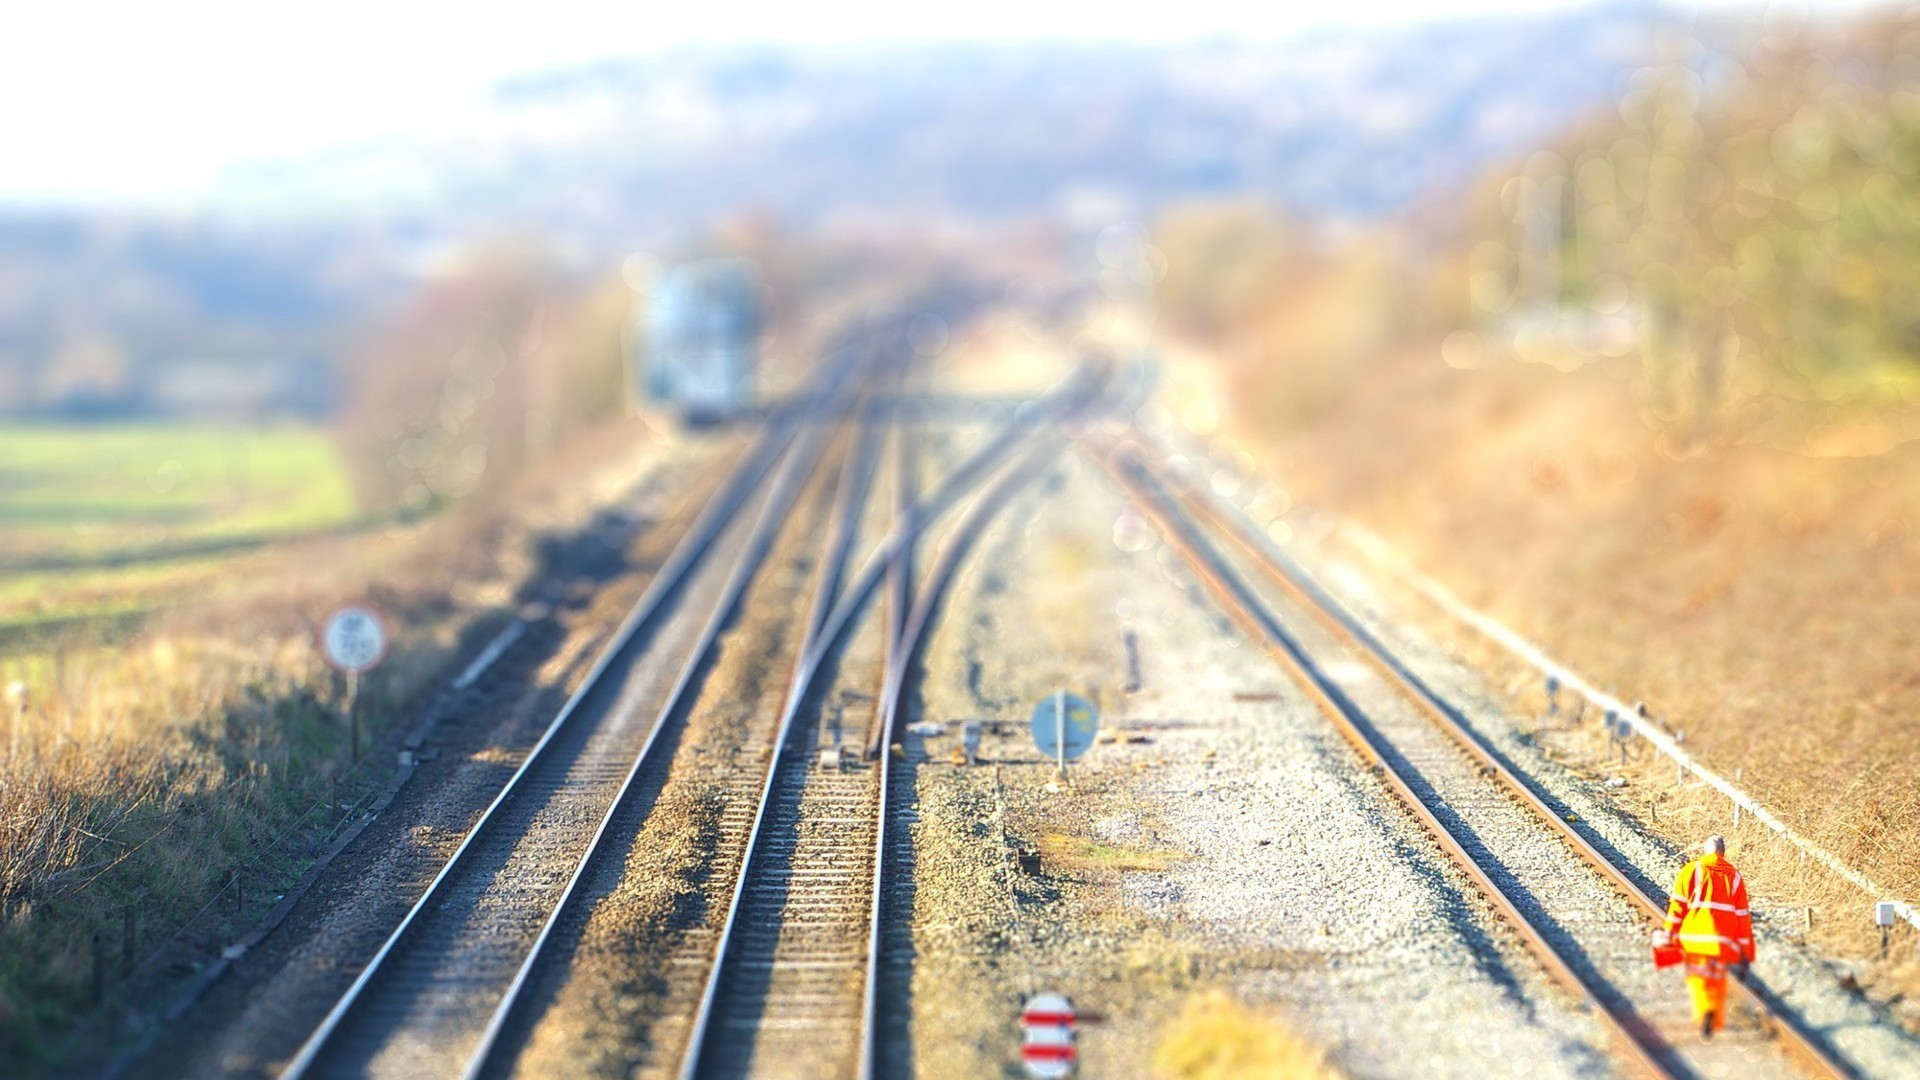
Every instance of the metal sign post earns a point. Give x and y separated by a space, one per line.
353 640
353 715
1060 728
1064 726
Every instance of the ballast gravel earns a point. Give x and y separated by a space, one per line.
1867 1033
1228 839
1551 753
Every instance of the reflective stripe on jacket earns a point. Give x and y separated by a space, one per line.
1707 912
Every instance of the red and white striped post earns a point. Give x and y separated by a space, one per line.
1048 1048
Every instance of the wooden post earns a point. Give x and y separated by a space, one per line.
99 968
127 929
353 712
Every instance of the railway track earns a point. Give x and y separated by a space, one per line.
425 998
789 970
1648 898
1569 913
781 950
794 987
448 991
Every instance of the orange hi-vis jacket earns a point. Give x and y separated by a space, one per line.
1707 912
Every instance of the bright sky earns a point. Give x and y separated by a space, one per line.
133 100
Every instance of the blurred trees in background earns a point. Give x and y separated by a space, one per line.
483 372
1755 213
1295 317
490 366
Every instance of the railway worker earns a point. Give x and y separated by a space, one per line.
1707 914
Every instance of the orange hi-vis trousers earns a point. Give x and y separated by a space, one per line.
1707 982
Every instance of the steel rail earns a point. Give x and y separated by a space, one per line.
900 605
900 568
687 556
912 637
1031 422
798 467
667 581
812 653
918 512
1643 1044
1299 584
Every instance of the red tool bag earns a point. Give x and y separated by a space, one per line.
1666 951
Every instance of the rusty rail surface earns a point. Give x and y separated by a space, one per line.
1805 1044
1641 1043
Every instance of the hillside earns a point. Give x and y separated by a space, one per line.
1354 123
255 305
1651 402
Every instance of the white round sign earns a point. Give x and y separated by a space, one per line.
353 639
1047 1048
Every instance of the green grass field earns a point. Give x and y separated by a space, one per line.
103 519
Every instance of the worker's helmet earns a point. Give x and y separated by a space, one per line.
1713 845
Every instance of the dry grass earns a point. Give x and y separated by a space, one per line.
1216 1037
143 777
1081 853
143 774
1764 602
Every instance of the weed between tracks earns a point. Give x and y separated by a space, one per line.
1081 854
1216 1037
1022 884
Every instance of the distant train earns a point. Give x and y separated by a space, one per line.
698 350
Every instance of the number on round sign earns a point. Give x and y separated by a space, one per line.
353 639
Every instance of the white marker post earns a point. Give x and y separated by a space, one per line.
353 639
1047 1047
1060 728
